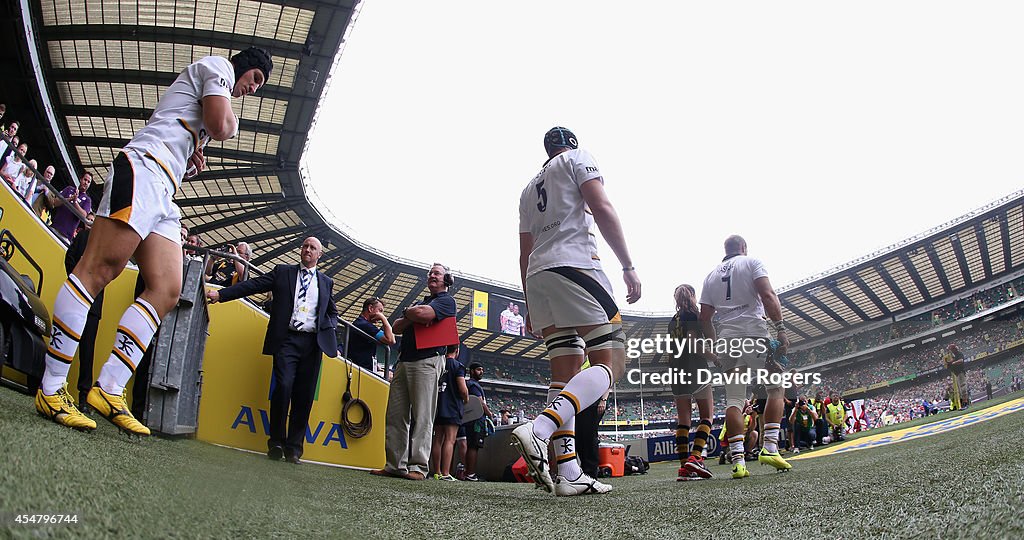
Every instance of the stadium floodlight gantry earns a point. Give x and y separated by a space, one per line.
102 65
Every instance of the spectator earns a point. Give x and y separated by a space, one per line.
3 109
452 396
25 183
412 400
820 426
301 329
90 218
790 396
472 434
362 351
752 437
803 419
193 240
835 415
13 164
65 222
41 199
12 133
226 272
749 435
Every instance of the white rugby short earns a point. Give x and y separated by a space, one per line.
749 359
137 192
570 297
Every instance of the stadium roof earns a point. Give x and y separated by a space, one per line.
105 64
983 246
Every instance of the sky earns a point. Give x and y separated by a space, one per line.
818 131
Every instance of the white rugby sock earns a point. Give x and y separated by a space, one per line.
554 389
582 391
564 441
736 447
69 313
771 437
134 332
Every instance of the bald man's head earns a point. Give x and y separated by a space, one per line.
735 245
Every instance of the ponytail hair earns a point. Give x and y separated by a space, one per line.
686 299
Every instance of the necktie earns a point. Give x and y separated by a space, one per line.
307 276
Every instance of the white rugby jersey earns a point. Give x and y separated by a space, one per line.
176 130
553 210
730 289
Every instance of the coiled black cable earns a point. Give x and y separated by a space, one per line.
359 429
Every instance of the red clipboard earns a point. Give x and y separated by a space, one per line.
438 334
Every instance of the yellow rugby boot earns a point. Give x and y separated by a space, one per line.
115 409
60 408
740 471
773 459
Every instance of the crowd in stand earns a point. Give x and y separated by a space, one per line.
923 399
29 180
960 308
924 358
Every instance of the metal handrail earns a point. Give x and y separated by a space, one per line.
387 348
250 268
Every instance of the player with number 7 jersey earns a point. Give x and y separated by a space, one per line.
734 301
730 289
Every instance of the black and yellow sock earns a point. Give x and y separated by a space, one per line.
700 439
682 441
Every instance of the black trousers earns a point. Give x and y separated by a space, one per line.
805 436
87 346
296 368
587 443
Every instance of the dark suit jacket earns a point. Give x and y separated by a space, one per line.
281 281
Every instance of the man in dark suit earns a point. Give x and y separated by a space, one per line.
302 325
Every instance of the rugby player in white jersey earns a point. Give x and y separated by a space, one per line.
739 292
569 299
138 218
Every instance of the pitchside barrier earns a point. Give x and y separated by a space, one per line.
235 376
664 448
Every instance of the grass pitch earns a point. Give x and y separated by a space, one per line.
965 483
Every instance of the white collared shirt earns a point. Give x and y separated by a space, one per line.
304 312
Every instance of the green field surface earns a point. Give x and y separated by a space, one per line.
965 483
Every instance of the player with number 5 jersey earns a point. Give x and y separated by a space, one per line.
569 299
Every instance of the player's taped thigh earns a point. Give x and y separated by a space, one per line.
564 343
606 336
735 395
